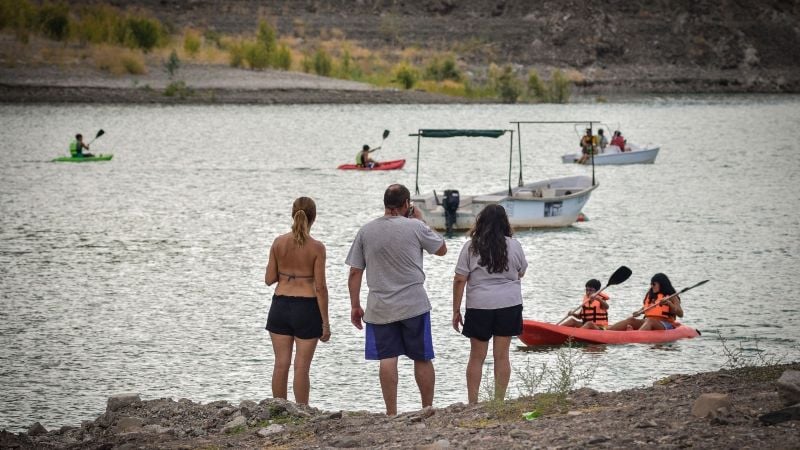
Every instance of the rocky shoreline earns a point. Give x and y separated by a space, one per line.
723 409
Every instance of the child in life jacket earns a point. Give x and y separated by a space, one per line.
594 309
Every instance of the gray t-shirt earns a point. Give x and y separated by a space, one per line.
390 249
492 290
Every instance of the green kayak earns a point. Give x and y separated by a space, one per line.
83 158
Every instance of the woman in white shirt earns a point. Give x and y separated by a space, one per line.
490 266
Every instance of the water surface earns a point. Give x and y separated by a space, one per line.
145 274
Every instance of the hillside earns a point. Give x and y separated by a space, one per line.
612 46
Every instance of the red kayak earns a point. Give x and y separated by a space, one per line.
541 333
383 165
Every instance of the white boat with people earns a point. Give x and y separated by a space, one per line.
616 152
555 202
612 155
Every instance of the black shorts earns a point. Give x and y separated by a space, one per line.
295 316
482 324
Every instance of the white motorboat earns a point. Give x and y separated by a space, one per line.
612 155
555 202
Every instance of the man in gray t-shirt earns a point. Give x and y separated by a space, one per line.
397 317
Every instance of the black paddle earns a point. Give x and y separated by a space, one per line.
385 135
642 311
99 133
619 276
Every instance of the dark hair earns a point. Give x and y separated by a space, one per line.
600 131
395 196
593 284
365 147
664 286
489 238
78 136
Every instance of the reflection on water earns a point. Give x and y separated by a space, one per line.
145 274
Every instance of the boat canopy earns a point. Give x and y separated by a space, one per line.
443 133
449 133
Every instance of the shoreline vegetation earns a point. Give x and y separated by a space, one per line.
98 53
133 43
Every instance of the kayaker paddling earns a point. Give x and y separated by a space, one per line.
77 146
364 160
593 313
660 307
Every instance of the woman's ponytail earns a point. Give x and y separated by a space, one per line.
304 211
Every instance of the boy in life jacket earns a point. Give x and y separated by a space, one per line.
77 146
594 309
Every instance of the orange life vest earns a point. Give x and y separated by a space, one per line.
659 312
591 311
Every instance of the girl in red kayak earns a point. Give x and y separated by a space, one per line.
594 310
659 314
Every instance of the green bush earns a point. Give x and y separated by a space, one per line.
560 87
142 32
256 55
536 87
54 21
266 37
322 62
307 64
236 50
17 14
440 70
172 64
213 37
99 24
283 58
178 88
191 43
406 75
507 86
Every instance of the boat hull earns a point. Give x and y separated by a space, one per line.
545 204
540 333
383 165
642 156
82 159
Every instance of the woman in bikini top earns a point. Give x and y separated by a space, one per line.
298 316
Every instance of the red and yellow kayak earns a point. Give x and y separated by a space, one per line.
383 165
541 333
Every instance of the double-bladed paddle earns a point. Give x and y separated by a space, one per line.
642 311
619 276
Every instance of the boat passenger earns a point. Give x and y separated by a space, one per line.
603 141
659 314
594 309
588 146
77 146
298 316
490 265
618 141
364 160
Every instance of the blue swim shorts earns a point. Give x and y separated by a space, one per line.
410 337
667 325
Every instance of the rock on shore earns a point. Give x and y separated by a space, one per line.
724 409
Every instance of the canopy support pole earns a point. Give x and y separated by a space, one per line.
416 180
510 160
519 148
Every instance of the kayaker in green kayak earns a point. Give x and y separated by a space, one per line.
77 146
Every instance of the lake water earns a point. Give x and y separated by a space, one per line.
145 274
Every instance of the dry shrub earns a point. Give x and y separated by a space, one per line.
574 76
119 61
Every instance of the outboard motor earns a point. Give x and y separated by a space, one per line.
450 205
